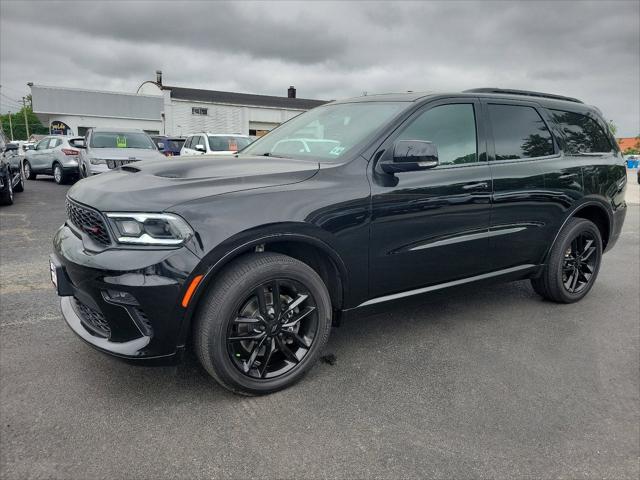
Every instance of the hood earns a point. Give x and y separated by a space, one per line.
156 186
126 153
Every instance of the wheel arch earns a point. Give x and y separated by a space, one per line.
594 211
316 253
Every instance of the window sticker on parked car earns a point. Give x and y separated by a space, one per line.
336 151
121 142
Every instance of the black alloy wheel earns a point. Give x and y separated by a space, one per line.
263 323
579 262
573 263
274 329
7 196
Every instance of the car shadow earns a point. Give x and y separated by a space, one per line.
366 331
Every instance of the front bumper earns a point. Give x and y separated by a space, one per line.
149 327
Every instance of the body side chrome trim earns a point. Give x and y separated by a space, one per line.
440 286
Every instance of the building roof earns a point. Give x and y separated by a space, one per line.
626 143
215 96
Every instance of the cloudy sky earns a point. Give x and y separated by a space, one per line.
589 50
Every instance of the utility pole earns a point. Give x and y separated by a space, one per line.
24 110
10 126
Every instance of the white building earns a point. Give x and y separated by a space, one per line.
72 110
166 110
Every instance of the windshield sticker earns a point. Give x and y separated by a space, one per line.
121 142
336 151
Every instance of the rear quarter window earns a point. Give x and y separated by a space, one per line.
581 133
519 132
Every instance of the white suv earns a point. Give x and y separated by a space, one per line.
214 144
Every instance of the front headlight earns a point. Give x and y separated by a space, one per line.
163 229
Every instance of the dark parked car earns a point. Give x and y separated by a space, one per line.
11 174
168 146
251 260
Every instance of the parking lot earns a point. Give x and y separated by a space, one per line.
483 381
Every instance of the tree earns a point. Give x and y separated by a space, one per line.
17 121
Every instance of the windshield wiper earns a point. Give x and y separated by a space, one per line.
268 154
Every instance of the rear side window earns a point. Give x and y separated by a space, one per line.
519 132
582 134
187 144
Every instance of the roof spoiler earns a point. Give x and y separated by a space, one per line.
507 91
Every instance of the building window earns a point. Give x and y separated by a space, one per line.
198 111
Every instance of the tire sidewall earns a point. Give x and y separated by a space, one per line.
57 167
234 296
573 231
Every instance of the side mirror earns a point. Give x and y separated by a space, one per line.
200 148
410 156
160 146
78 143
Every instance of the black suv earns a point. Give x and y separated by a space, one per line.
249 258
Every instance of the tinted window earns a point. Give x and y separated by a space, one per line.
582 134
452 128
519 132
230 143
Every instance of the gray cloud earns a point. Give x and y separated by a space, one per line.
590 50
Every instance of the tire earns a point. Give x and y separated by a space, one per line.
573 263
6 198
28 172
82 171
59 175
20 186
246 367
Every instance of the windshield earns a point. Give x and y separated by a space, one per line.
325 133
222 143
121 140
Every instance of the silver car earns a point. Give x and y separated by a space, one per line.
55 155
106 149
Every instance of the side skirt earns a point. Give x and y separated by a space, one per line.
517 271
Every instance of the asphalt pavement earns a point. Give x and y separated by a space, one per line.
486 381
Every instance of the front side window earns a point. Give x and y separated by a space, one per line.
519 132
228 143
582 134
451 128
121 140
42 144
326 133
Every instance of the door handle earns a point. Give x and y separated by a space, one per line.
475 186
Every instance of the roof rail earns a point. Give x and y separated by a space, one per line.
507 91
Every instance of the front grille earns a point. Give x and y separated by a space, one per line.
88 221
93 319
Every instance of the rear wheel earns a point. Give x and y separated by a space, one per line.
28 172
263 323
573 263
59 176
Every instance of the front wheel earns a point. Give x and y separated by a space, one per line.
263 323
28 172
573 263
6 198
